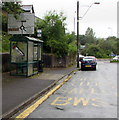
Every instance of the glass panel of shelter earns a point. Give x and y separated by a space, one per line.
30 58
19 57
35 58
19 52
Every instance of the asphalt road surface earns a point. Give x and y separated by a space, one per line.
88 94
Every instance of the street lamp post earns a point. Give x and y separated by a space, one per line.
97 3
78 43
110 31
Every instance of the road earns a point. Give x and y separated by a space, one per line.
88 94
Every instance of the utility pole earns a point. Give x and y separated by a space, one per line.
77 34
78 43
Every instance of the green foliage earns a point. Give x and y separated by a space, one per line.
0 43
88 38
60 49
114 61
9 8
12 8
72 48
101 48
89 32
55 39
82 39
4 22
70 37
117 46
71 41
5 42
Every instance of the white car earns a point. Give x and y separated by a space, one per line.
81 57
116 58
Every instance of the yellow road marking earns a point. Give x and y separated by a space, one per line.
73 91
88 83
81 83
95 105
96 84
92 91
93 99
99 102
72 84
81 90
85 101
30 109
63 101
59 99
112 86
84 78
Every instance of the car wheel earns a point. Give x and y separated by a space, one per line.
94 68
82 68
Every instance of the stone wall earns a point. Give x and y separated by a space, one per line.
53 61
48 60
5 62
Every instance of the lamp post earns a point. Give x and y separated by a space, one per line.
110 31
78 43
97 3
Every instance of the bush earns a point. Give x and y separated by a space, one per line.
5 42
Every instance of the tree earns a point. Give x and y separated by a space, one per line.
71 37
9 8
83 39
72 44
90 36
102 48
94 50
56 41
5 42
53 33
12 8
89 32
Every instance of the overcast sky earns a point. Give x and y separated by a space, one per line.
102 18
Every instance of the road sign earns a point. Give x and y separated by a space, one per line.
23 25
39 32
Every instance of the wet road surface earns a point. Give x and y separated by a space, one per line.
88 94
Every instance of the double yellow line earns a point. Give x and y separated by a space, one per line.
30 109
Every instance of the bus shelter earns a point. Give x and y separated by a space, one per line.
26 55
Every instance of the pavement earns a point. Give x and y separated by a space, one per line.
17 91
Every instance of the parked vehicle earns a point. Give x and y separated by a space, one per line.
116 58
81 57
88 62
